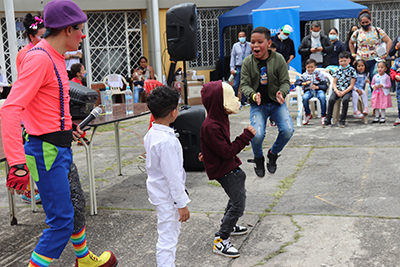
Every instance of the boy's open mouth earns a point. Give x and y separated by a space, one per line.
256 51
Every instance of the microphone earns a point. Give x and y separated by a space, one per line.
93 115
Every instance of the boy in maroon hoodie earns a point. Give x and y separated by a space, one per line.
221 162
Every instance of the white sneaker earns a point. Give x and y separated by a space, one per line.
224 247
396 122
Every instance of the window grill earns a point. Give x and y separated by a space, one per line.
115 41
207 36
6 47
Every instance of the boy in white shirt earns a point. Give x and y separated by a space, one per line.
166 176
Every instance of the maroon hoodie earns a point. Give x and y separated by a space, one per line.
218 151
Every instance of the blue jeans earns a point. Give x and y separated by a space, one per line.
371 66
136 92
320 95
258 118
236 84
398 98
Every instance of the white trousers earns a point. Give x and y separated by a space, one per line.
168 228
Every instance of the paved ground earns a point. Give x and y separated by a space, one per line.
334 201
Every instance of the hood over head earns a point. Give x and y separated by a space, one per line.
212 97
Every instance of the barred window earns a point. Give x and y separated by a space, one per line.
208 36
21 42
231 36
115 41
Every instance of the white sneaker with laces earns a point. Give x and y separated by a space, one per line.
224 247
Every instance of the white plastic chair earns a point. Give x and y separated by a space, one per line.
116 83
292 77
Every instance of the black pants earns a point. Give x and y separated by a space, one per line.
234 186
345 105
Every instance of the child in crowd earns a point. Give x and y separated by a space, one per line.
78 73
395 74
358 90
166 176
265 82
344 79
221 162
380 98
314 84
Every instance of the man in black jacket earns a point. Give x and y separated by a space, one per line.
316 46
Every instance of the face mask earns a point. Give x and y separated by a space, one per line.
345 67
84 75
365 27
284 37
242 40
315 34
332 36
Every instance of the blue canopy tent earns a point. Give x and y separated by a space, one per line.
309 10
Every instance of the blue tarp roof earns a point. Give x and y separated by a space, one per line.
309 10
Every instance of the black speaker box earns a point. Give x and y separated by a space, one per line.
82 100
187 126
182 31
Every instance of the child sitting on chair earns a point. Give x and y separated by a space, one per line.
314 85
343 83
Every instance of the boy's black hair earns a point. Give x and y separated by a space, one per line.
273 45
365 64
345 54
75 68
162 100
311 61
262 30
387 71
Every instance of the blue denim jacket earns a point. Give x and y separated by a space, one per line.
360 82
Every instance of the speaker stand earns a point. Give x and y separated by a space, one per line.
185 83
171 76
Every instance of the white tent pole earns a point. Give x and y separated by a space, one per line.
12 36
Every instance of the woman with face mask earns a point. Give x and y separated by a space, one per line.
368 39
338 47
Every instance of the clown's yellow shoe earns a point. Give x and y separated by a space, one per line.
107 259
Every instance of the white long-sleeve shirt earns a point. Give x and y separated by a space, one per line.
164 165
239 52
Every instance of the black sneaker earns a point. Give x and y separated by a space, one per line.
342 124
327 123
239 230
258 166
224 247
271 162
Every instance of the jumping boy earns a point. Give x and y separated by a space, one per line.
344 79
166 176
265 82
314 84
221 162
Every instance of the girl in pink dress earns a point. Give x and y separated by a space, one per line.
381 99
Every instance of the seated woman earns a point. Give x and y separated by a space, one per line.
78 73
139 75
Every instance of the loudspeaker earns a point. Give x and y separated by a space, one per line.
182 32
187 127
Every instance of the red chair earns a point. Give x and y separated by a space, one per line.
148 86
